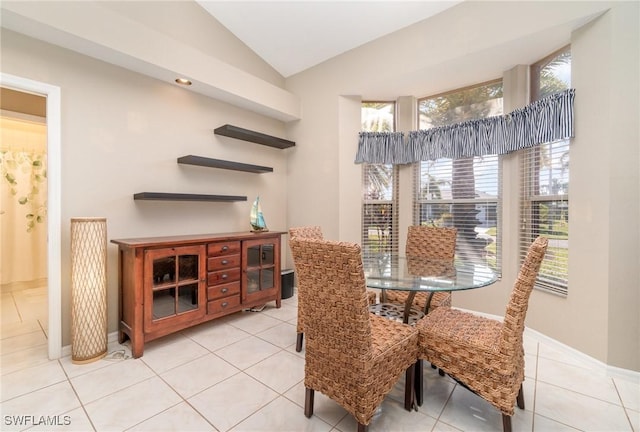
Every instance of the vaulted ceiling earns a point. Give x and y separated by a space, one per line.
295 35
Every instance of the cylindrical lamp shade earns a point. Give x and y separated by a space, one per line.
88 289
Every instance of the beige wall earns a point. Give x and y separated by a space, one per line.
122 133
455 49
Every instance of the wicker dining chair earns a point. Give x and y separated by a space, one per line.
484 355
352 356
313 232
428 242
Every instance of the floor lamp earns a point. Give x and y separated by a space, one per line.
88 289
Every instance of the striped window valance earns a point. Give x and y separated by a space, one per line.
386 147
545 120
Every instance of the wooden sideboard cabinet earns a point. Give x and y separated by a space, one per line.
167 284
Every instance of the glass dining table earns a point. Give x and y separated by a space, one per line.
387 271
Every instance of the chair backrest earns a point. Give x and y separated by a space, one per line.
431 242
337 322
513 328
306 232
309 232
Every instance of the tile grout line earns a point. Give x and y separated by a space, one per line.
535 388
84 409
624 408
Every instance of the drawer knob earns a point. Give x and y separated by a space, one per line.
224 276
224 304
224 290
225 248
225 262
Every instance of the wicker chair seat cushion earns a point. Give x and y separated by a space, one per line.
467 347
439 299
389 335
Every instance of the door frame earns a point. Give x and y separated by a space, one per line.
54 225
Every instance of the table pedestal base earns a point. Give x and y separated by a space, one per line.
396 312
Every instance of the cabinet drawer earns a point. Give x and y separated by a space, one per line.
224 276
223 262
223 248
218 291
217 306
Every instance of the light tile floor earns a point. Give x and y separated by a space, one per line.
241 373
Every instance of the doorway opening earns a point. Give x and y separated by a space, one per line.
30 214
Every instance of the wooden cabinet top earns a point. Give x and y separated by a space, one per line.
193 238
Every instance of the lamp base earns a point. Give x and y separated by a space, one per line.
89 360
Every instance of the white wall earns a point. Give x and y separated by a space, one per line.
478 41
122 133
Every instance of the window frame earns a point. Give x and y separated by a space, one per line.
485 202
529 226
367 244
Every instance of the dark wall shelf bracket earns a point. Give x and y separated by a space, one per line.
163 196
252 136
223 164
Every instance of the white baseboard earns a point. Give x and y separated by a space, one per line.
111 338
610 371
605 369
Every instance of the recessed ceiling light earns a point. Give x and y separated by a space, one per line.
183 81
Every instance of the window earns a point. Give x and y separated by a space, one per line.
544 207
379 186
463 193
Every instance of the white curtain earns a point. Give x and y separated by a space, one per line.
23 200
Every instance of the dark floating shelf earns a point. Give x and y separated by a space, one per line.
162 196
252 136
218 163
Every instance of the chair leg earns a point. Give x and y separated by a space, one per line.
419 379
299 338
506 423
308 402
440 371
362 428
409 387
520 398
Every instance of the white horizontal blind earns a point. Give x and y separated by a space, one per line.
379 186
462 193
545 210
544 204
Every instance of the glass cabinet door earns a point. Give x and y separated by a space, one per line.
175 289
261 278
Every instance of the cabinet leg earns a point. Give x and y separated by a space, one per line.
137 348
